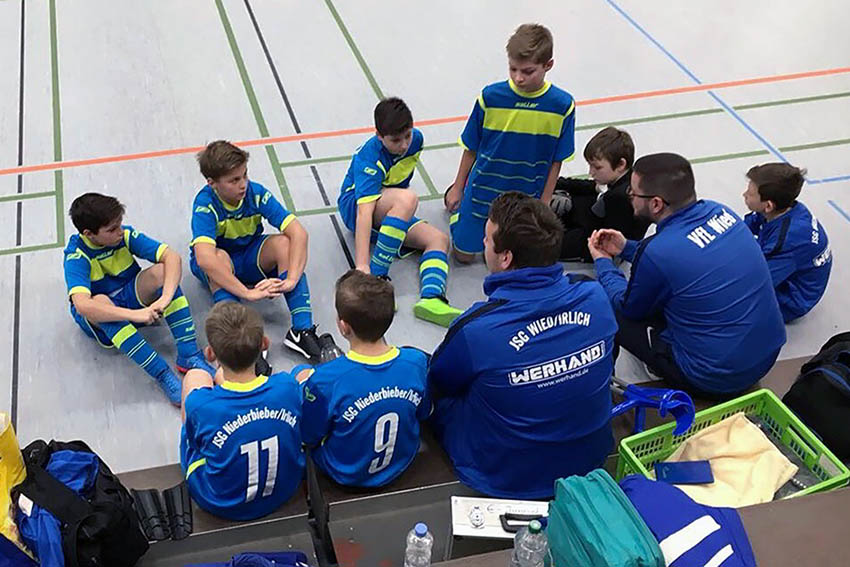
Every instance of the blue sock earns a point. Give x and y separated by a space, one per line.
222 294
129 341
298 301
433 273
391 236
182 326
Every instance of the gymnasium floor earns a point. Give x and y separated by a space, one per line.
120 93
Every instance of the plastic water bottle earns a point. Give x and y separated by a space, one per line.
419 544
530 546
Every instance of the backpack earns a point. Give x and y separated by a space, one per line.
821 394
102 530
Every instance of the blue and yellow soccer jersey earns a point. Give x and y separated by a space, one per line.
372 168
94 270
233 228
363 412
516 137
241 446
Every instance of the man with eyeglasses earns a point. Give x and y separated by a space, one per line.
699 308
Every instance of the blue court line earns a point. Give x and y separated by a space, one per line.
841 211
829 179
693 77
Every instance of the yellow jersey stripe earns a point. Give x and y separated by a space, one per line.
176 305
204 239
379 359
401 169
539 92
245 386
434 263
286 221
368 199
237 228
114 265
160 251
394 232
123 334
524 121
191 468
453 218
79 289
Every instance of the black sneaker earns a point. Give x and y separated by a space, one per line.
328 348
305 342
385 277
262 367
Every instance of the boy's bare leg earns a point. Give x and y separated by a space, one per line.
193 380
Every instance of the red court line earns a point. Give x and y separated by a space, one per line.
431 122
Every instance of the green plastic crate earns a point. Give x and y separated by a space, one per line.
638 453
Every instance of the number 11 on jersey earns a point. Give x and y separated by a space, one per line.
253 451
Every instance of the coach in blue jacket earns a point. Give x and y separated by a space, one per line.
699 308
524 375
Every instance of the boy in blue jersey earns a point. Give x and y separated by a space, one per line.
231 255
111 295
240 446
519 133
362 411
376 203
699 308
793 241
524 376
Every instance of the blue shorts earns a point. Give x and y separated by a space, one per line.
126 296
467 225
245 263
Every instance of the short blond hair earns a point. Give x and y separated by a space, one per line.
530 42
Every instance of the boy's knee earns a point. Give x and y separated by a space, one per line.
157 274
279 243
405 204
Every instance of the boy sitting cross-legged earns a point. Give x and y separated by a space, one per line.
111 295
240 447
231 255
362 410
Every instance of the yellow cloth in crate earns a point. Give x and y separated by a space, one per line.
12 473
748 469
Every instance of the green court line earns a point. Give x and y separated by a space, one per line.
372 82
624 122
26 196
255 105
58 179
33 248
698 160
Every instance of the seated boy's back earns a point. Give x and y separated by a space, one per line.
362 411
241 442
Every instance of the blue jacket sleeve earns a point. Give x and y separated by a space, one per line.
643 295
628 253
781 266
451 370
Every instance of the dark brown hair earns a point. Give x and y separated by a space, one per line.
366 303
668 176
92 211
235 333
612 145
219 157
530 42
526 227
392 117
778 182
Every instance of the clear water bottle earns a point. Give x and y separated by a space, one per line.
419 544
530 546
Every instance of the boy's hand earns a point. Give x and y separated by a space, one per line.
364 268
453 197
159 305
146 316
265 289
287 285
606 243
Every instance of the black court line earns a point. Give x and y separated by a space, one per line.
16 317
291 111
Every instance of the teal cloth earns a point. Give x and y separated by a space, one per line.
593 524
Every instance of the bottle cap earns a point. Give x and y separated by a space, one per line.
420 529
535 527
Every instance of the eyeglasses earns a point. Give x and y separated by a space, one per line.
630 193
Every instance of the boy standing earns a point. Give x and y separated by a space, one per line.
240 447
111 294
375 202
362 411
585 205
519 132
793 241
230 251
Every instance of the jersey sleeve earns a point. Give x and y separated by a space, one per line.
470 138
565 150
316 417
204 221
77 273
368 179
143 246
271 209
